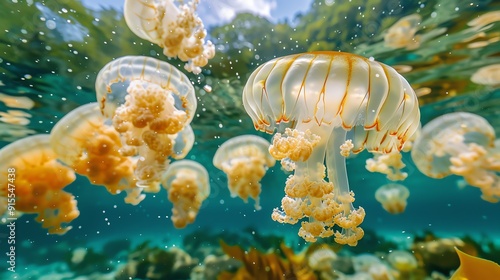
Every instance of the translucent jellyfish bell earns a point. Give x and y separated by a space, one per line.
38 182
187 184
83 141
462 144
402 33
393 197
245 160
325 105
176 29
150 103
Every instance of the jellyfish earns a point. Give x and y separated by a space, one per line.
245 160
187 184
83 141
176 29
402 33
393 197
151 105
325 105
487 75
485 19
462 144
403 261
31 174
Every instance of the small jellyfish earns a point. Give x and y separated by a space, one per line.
176 29
484 20
393 197
487 75
187 184
403 261
325 105
461 144
31 173
83 141
151 105
402 33
245 159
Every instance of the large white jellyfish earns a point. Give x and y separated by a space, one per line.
325 105
151 104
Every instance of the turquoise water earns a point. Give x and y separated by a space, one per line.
56 70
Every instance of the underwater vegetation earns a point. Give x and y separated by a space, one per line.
112 117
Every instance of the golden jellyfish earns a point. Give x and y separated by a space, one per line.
325 105
31 174
393 197
83 141
187 184
462 144
402 33
151 105
176 29
487 75
245 159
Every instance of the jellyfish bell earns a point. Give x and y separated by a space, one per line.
462 144
115 77
487 75
325 105
447 136
84 141
176 29
245 160
187 184
150 102
393 197
38 181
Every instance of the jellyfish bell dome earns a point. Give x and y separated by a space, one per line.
325 105
314 89
448 136
115 77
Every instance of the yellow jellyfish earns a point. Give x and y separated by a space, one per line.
487 75
461 144
245 159
151 104
404 262
32 176
472 268
83 141
187 184
402 33
176 29
325 105
393 197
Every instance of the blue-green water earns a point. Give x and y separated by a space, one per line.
56 69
